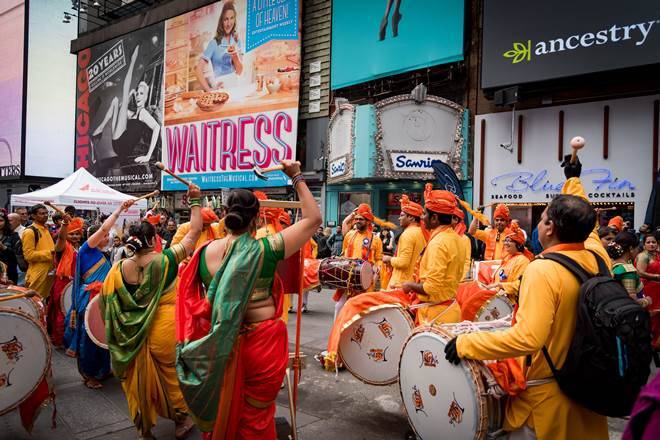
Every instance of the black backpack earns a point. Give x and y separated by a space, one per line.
610 355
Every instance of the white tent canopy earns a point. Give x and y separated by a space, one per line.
81 190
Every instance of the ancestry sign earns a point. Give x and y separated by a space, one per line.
527 41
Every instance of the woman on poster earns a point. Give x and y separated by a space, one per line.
131 121
222 53
139 295
232 349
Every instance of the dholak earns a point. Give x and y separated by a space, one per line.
25 300
445 401
24 357
370 346
94 323
343 273
67 298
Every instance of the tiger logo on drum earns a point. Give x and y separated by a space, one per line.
385 328
4 380
378 354
417 401
455 412
358 334
493 315
12 349
428 359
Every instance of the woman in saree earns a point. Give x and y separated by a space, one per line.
648 267
66 252
232 349
139 295
91 269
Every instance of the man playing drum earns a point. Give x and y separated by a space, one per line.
360 242
546 316
493 237
411 244
443 260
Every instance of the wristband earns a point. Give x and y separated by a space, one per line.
195 202
295 180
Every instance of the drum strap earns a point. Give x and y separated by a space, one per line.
537 382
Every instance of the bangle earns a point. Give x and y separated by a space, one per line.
194 202
295 180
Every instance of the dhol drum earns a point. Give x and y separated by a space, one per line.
25 357
94 322
485 270
25 300
446 401
343 273
486 305
370 345
66 300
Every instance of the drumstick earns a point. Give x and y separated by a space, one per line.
16 296
577 143
162 167
260 172
147 196
55 208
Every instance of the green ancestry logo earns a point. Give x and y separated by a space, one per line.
522 51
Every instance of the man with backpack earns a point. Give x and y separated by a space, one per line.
39 249
585 344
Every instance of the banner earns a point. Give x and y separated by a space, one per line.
232 74
12 19
119 110
376 38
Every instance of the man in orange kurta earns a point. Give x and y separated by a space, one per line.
410 246
360 242
546 316
493 237
213 228
442 263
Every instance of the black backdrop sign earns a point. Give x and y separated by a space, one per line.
119 112
527 41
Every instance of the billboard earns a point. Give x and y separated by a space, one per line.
119 110
232 74
527 41
50 102
375 38
12 31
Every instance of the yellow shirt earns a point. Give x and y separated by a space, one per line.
213 231
467 245
440 270
355 239
513 269
40 260
408 251
485 236
546 316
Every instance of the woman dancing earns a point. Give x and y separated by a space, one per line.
130 125
223 53
232 345
138 305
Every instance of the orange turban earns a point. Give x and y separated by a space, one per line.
439 201
209 216
616 223
152 218
517 235
501 211
272 215
411 208
76 224
458 212
364 210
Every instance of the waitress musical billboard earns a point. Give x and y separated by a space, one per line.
232 74
119 110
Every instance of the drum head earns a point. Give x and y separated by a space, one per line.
366 275
24 357
442 401
94 323
497 307
371 345
31 306
67 298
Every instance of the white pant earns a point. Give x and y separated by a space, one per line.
340 305
524 433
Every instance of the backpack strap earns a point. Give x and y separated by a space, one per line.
570 264
603 269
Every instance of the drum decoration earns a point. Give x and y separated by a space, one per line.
66 299
444 400
370 345
25 357
344 273
94 322
25 300
497 307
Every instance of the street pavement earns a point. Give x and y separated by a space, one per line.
330 406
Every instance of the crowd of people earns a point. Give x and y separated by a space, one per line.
196 313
